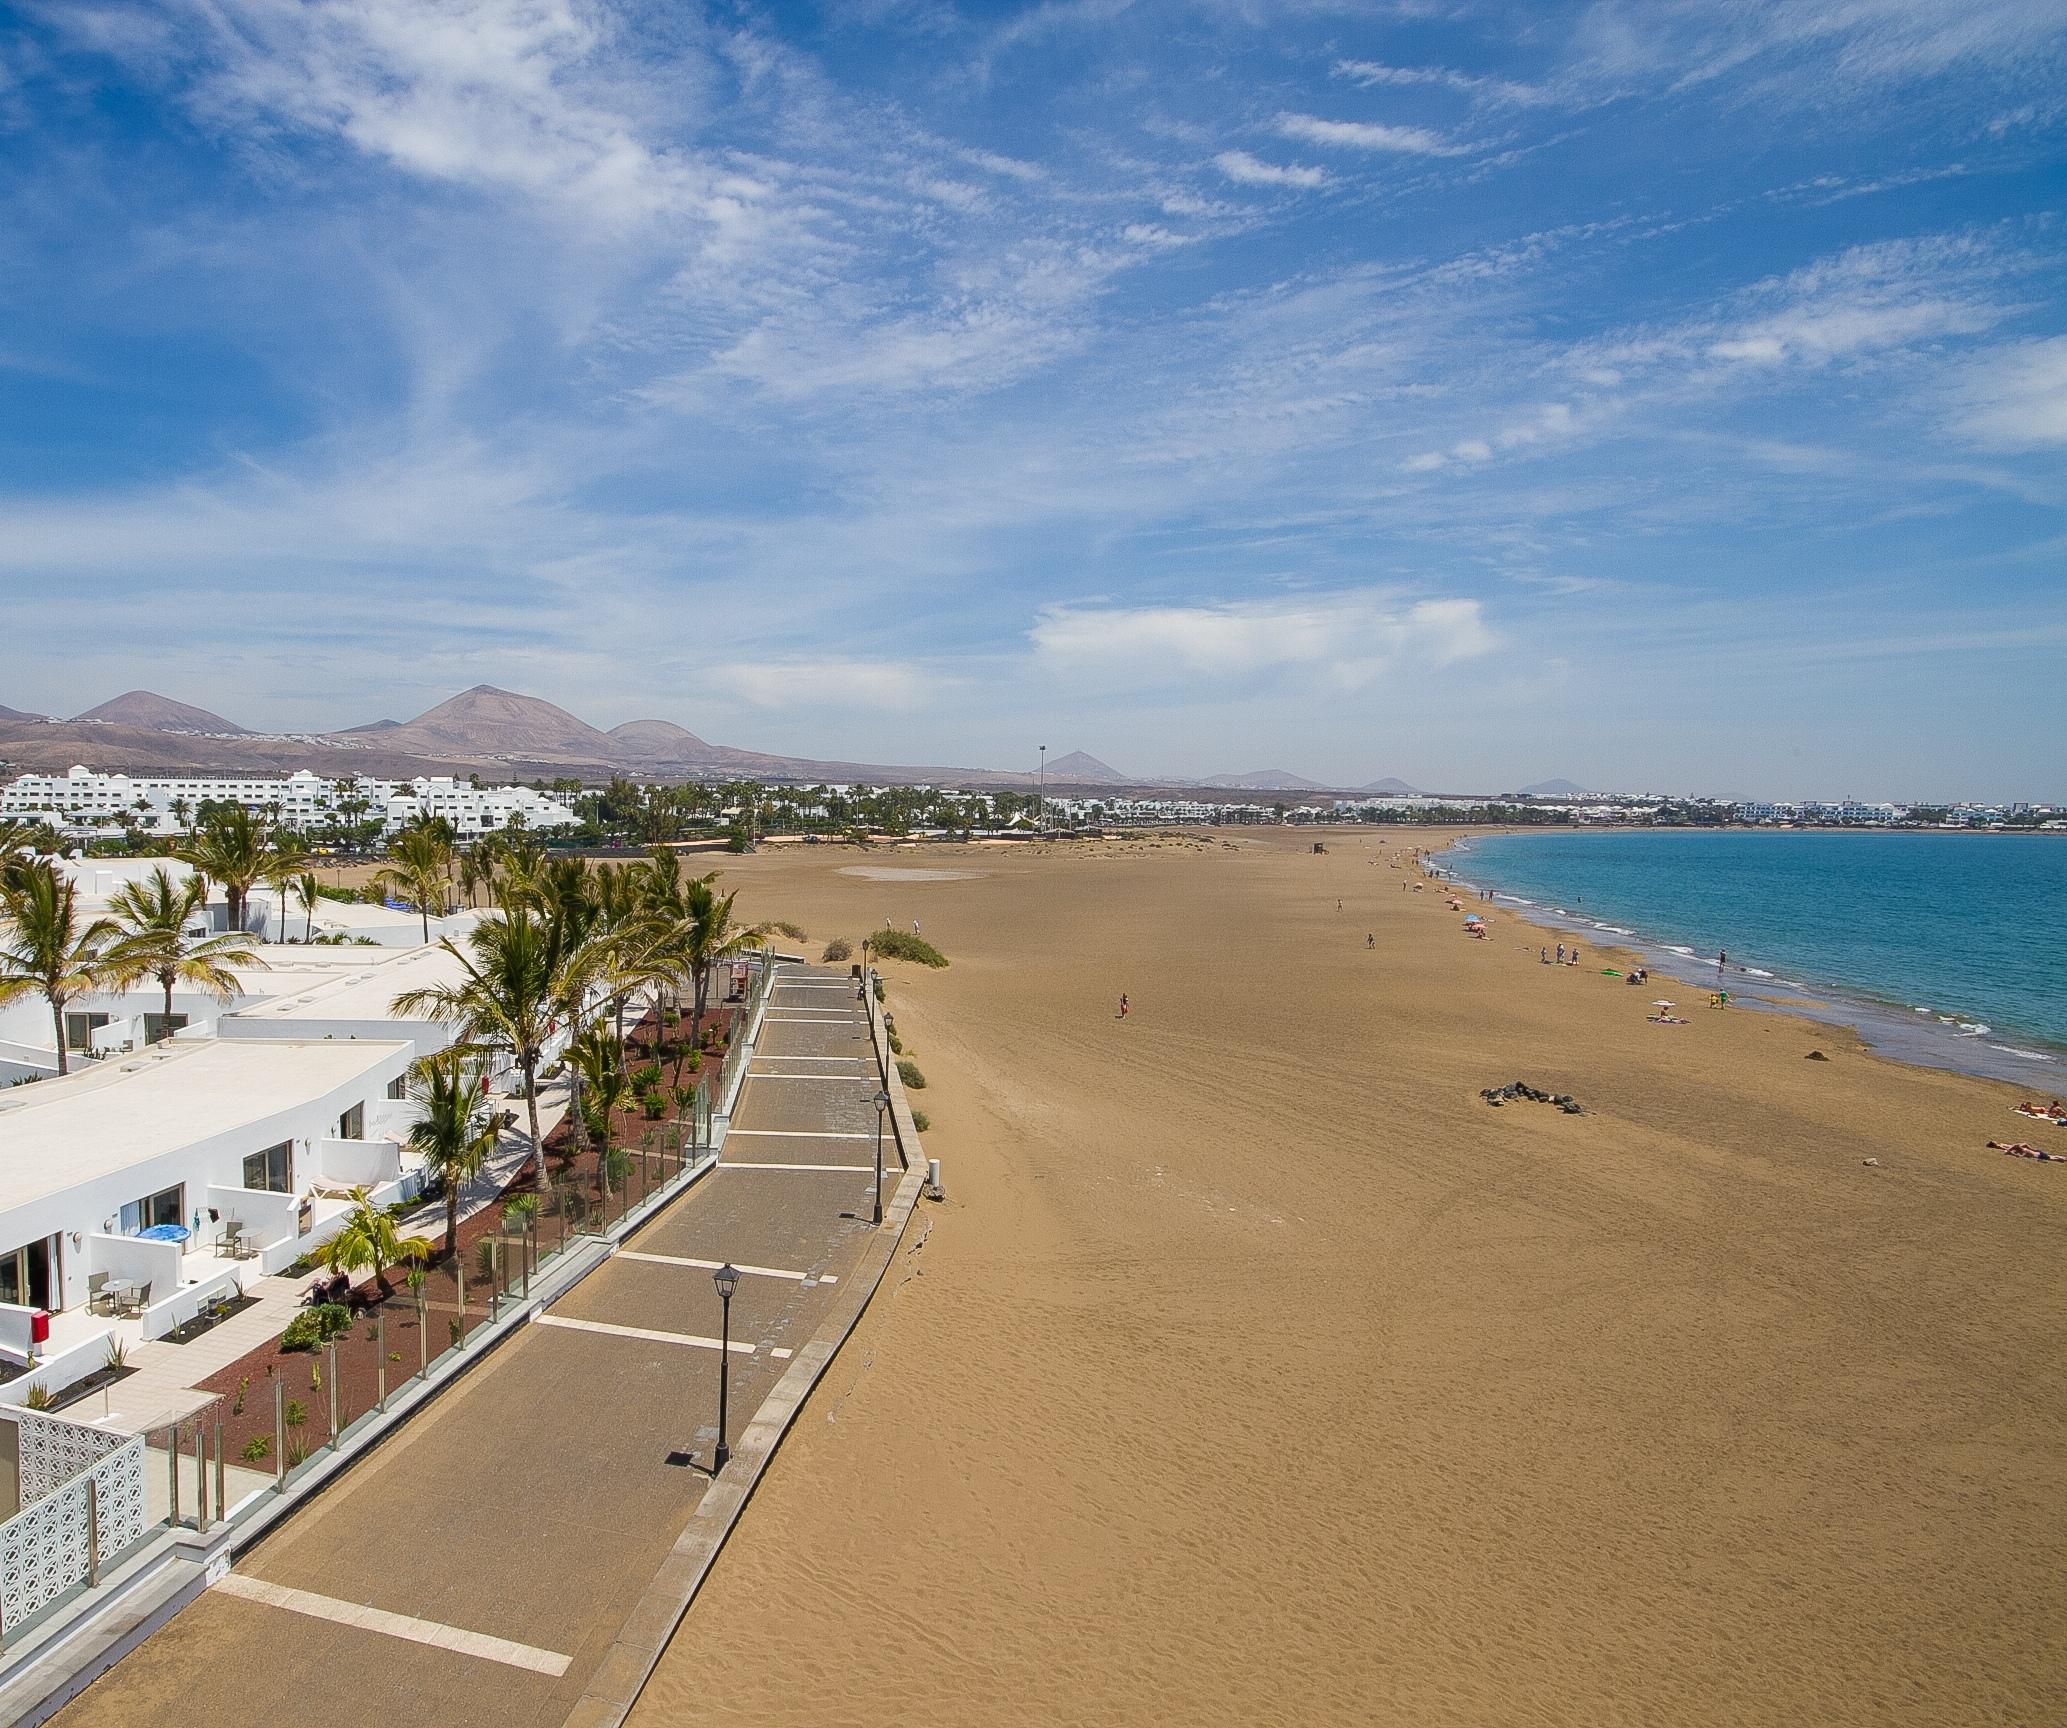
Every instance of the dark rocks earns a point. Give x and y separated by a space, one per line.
1521 1089
1815 1056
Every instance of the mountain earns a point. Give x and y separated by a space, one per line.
1555 789
659 741
1263 780
7 713
366 730
1079 769
1390 788
500 724
155 713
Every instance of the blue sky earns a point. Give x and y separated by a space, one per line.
1662 395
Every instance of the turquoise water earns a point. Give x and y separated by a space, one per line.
1971 927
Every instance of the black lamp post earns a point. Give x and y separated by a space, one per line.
882 1104
727 1280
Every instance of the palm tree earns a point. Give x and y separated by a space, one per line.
286 863
44 948
468 871
149 924
708 938
230 849
308 890
369 1239
504 1000
456 1132
595 1056
422 863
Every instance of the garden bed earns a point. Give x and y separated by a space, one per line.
202 1324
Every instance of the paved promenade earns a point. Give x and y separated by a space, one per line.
476 1568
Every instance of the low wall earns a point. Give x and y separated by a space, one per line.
14 1329
152 1263
358 1163
182 1305
267 1217
55 1372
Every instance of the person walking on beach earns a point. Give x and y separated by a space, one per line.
1722 958
1560 953
1123 1005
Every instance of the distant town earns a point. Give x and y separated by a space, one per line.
136 813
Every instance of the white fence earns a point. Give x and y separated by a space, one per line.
83 1505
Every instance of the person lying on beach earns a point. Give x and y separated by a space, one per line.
2044 1112
2018 1149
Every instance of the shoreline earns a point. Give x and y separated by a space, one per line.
1895 1030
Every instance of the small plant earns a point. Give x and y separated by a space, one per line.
294 1413
644 1077
318 1325
117 1356
921 1121
879 986
316 1375
414 1278
693 1062
243 1386
40 1398
896 1045
619 1165
795 932
654 1105
452 1333
394 1355
373 1334
257 1449
892 944
484 1257
297 1453
908 1072
838 949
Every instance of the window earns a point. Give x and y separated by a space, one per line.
80 1028
167 1206
159 1027
352 1124
271 1170
399 1086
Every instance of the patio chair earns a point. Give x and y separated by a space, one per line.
135 1300
96 1292
230 1242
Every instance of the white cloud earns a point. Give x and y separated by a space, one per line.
2016 398
1245 170
1370 73
1365 135
825 683
1349 637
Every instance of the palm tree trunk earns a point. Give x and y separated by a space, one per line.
452 1214
530 1060
165 1031
57 1019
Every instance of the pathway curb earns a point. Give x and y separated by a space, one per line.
626 1667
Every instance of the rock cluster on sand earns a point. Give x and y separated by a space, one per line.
1499 1095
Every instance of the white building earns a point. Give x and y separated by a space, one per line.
166 803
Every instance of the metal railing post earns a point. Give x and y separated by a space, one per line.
280 1435
222 1504
172 1457
423 1337
331 1350
459 1273
200 1477
92 1531
380 1343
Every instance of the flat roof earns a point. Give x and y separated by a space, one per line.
364 992
56 1134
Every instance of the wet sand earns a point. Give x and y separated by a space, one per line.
1255 1370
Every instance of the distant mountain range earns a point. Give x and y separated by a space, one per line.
501 734
1556 789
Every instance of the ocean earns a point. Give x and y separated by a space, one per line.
1949 949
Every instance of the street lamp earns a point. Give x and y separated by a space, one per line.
882 1104
727 1280
1041 805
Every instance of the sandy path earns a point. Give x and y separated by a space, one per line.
1256 1370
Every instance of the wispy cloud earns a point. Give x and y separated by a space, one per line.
1246 170
2015 397
1366 135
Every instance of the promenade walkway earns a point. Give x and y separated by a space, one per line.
476 1568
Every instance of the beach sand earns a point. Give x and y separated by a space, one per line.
1255 1370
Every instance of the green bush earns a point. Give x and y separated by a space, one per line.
908 1072
314 1326
257 1449
921 1121
879 987
645 1077
654 1105
905 945
838 949
896 1045
294 1413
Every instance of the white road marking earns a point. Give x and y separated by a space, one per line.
781 1355
855 1169
644 1333
454 1638
798 1134
713 1265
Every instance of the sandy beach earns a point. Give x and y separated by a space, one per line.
1255 1370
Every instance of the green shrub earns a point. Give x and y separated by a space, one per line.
294 1413
838 949
896 1045
518 1211
921 1121
257 1449
40 1398
654 1105
314 1326
890 944
297 1453
484 1257
909 1073
795 932
645 1077
879 986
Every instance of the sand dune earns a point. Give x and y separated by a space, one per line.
1256 1371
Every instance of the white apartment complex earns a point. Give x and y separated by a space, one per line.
166 803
